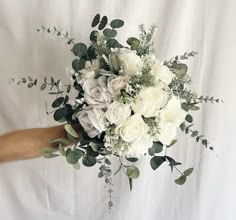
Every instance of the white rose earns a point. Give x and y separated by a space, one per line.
150 101
140 147
92 120
173 113
162 72
115 84
130 62
117 112
167 133
95 92
132 128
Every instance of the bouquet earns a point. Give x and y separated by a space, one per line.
125 101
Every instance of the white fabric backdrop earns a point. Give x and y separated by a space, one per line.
50 189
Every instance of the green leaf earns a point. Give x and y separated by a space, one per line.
204 142
179 69
188 172
96 20
92 52
151 151
89 161
133 42
46 150
62 150
79 49
185 106
70 130
60 114
115 61
71 156
172 143
156 161
107 161
109 33
158 147
194 134
48 156
113 43
43 86
182 126
78 65
194 108
117 23
103 23
76 166
93 36
189 118
132 159
181 180
58 102
60 140
132 172
130 184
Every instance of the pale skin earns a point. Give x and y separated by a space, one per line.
26 144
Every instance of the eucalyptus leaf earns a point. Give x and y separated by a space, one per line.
78 65
156 161
46 150
132 159
60 113
48 156
109 33
117 23
79 49
115 61
93 36
76 166
188 172
158 147
61 140
133 42
179 69
103 23
113 43
71 156
62 150
96 20
89 161
70 130
132 172
189 118
58 102
181 180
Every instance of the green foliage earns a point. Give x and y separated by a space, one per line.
60 114
89 161
132 172
157 161
103 23
70 130
78 65
58 102
80 50
96 20
117 23
179 69
157 147
113 43
109 33
72 157
133 42
189 118
181 180
188 172
48 152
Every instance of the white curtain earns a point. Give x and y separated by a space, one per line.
51 189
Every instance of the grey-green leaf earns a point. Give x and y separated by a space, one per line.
181 180
71 156
132 172
109 33
103 23
70 130
179 69
89 161
188 172
156 161
79 49
189 118
133 42
158 147
58 102
76 166
117 23
96 20
78 65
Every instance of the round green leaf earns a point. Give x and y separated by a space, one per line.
179 69
58 102
79 49
156 161
78 65
71 156
89 161
60 114
113 43
76 166
189 118
188 172
109 33
158 147
133 42
93 36
132 172
117 23
96 20
103 23
92 52
181 180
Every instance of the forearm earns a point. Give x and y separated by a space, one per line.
26 144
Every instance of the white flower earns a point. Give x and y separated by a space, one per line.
117 112
167 133
140 147
150 101
173 113
170 118
115 84
162 72
95 92
92 120
130 62
90 70
132 128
